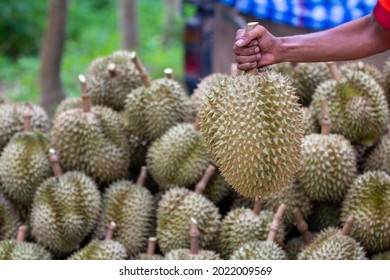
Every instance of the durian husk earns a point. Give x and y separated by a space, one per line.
254 142
68 104
13 250
9 219
366 68
386 79
101 250
381 256
259 250
378 158
185 254
368 200
293 247
324 215
309 122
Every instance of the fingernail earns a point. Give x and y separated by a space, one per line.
240 42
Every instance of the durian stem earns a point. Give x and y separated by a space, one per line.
151 246
249 27
302 227
142 176
87 103
168 72
334 70
55 163
194 236
111 68
110 231
141 69
27 121
196 123
274 228
22 232
201 185
257 206
234 71
348 225
326 123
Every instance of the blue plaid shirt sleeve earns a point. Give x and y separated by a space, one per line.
313 14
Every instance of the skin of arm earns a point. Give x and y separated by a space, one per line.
352 40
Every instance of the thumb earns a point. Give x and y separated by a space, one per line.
246 38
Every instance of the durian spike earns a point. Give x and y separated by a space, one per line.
111 68
257 206
234 71
27 121
151 246
274 228
141 69
249 27
194 236
196 123
334 70
302 227
325 126
201 185
168 72
348 225
55 163
22 232
87 103
110 231
142 176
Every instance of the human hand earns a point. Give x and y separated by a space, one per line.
254 49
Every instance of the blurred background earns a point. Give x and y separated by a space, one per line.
45 44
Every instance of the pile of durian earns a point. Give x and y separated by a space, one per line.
288 162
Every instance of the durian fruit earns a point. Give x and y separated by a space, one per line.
378 158
193 253
242 225
20 250
24 165
294 196
9 219
150 252
309 122
65 209
328 164
132 208
324 215
251 125
203 87
263 250
111 78
92 140
386 79
11 116
157 106
361 153
296 244
178 158
106 249
68 104
217 189
357 106
366 68
175 209
333 244
368 201
381 256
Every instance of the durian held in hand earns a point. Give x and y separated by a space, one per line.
251 126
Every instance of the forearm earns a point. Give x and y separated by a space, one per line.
353 40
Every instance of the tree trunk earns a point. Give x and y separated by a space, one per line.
51 54
128 24
173 10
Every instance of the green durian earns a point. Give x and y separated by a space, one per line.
378 158
178 158
366 68
324 215
254 142
368 200
328 167
242 225
150 252
174 211
217 188
357 107
157 106
381 256
111 78
106 249
65 210
259 250
20 250
92 140
386 79
68 104
9 219
132 208
309 122
11 116
331 244
24 165
293 247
